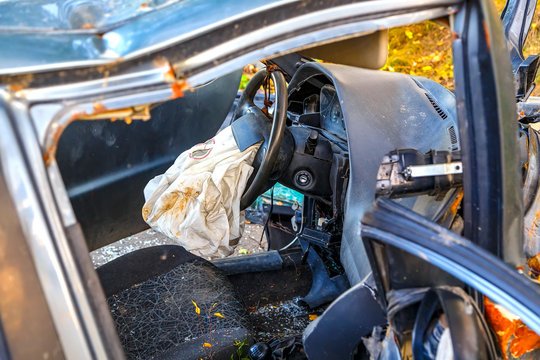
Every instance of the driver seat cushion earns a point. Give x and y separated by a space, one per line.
151 294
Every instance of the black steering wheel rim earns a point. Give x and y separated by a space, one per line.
279 123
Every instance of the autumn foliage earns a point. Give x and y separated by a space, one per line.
425 49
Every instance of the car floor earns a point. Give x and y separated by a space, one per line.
272 300
271 297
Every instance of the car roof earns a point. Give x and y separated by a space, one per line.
47 35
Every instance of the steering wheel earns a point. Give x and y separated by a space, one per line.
271 147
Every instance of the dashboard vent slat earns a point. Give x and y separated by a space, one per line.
453 137
436 106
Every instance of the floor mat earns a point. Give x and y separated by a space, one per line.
271 298
186 304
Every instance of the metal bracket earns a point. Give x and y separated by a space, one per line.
416 171
408 172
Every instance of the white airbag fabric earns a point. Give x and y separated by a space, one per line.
197 200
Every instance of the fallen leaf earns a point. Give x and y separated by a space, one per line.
207 345
197 310
312 317
219 315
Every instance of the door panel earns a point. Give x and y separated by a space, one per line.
105 165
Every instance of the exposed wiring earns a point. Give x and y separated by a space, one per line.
289 244
298 233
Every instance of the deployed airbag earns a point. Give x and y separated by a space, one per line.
197 200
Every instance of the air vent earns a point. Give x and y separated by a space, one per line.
453 137
439 111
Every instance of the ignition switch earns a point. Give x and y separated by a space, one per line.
303 178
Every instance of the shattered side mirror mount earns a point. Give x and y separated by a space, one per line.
516 19
524 77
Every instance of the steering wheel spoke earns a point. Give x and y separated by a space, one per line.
271 147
